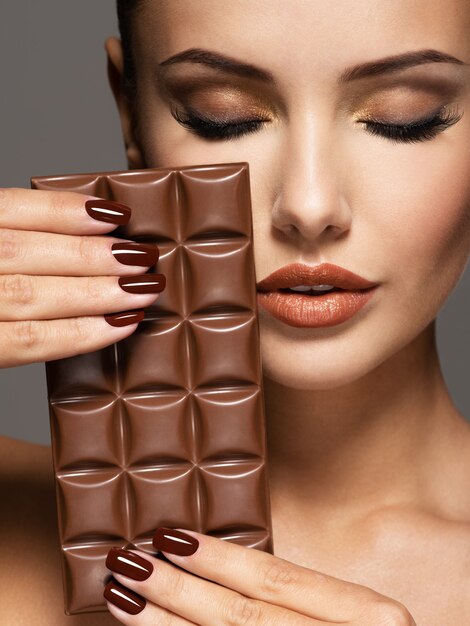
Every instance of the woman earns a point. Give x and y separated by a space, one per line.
351 116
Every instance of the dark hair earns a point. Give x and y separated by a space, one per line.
126 10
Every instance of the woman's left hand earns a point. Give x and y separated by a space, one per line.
223 583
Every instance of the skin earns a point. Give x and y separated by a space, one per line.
311 169
369 459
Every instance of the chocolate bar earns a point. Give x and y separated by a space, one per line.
167 426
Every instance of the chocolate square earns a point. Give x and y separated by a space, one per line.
167 426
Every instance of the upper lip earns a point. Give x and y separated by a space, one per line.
323 274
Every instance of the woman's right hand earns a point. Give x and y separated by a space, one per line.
59 276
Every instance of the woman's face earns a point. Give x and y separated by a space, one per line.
326 187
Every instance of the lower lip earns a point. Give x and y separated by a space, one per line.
314 311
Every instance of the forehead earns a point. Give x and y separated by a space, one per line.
303 34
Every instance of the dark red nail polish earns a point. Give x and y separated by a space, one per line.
143 283
144 254
124 598
174 542
108 211
129 564
124 318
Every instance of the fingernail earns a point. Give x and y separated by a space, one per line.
129 564
108 211
123 598
135 253
143 283
174 542
124 318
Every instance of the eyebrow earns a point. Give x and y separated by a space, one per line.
219 62
393 63
397 62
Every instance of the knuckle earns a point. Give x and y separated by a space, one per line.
18 289
175 589
217 558
29 334
9 244
241 611
57 205
80 328
90 250
178 584
277 576
94 288
14 201
391 613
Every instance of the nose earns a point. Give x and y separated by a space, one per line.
308 203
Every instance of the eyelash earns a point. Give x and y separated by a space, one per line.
210 129
420 130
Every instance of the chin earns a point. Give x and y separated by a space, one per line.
299 369
328 362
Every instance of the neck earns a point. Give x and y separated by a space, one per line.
373 443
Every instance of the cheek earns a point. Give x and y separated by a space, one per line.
166 143
420 216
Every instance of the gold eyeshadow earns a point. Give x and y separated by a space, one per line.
218 98
219 103
399 99
399 105
407 97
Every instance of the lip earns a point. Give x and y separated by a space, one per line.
300 310
323 274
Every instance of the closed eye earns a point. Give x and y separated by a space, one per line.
420 130
210 129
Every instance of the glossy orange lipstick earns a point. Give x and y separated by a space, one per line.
311 309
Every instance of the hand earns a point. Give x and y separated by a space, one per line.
58 275
223 583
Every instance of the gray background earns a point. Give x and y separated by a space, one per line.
57 116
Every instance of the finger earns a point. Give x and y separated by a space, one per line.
31 252
196 599
55 212
153 615
23 297
123 606
45 340
269 578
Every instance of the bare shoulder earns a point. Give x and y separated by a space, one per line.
423 560
427 546
30 576
438 525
